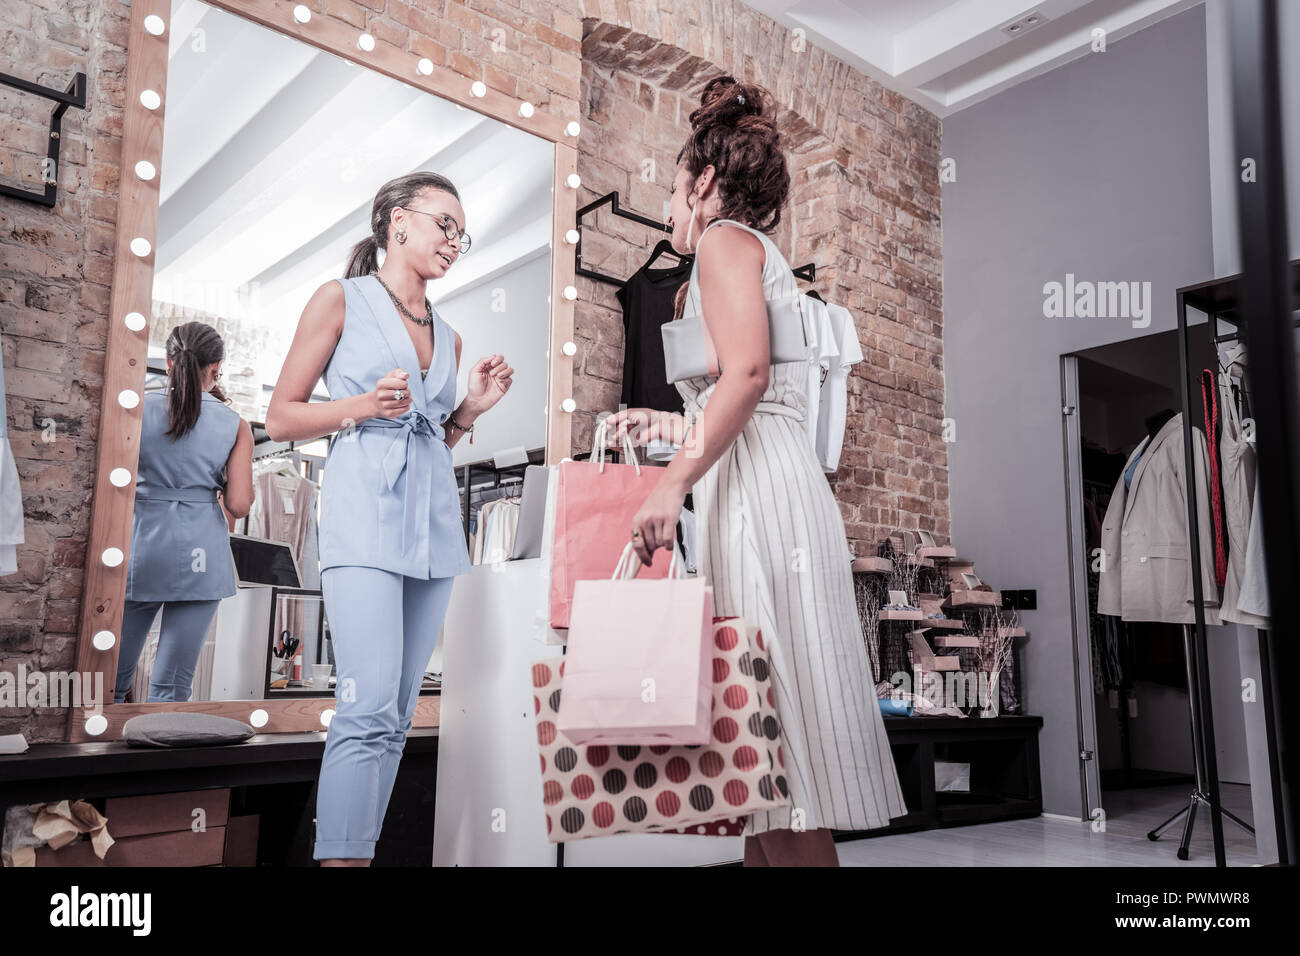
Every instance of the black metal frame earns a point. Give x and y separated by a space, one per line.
1267 304
1260 301
74 95
807 271
269 693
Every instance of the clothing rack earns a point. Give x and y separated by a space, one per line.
1221 300
808 271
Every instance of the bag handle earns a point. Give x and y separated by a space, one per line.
598 442
629 565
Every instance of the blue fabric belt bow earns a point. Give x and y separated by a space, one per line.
421 433
175 494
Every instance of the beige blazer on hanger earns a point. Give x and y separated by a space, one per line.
1147 569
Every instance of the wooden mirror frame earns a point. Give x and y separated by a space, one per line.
127 350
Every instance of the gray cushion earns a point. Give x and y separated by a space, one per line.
184 729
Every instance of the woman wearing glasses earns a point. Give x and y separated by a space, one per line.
391 539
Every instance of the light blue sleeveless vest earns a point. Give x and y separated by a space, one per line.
180 543
388 496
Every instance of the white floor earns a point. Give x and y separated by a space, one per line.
1052 841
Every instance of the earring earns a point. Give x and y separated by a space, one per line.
400 236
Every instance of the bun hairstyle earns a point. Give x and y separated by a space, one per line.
192 347
733 131
401 191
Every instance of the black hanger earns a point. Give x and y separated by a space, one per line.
816 295
666 246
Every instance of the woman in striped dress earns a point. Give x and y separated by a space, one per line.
771 538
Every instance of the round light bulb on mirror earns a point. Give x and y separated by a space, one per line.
140 246
573 128
259 717
425 66
134 321
154 25
150 99
145 170
572 236
525 109
301 13
112 557
570 293
326 716
573 181
570 348
367 43
127 398
568 405
104 640
478 88
96 724
120 477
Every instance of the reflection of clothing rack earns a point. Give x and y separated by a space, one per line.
807 272
474 478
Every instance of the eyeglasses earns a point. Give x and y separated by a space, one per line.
450 228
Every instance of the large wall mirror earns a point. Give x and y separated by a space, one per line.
269 146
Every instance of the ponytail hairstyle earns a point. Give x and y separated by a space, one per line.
732 130
192 347
401 191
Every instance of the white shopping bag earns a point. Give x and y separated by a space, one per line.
542 630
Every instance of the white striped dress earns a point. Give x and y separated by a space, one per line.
773 547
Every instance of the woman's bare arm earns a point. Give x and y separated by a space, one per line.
237 499
731 299
291 416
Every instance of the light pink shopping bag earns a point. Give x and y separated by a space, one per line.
638 656
594 506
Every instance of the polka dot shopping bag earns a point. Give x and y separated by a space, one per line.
601 789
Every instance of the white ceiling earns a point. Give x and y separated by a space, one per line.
950 54
273 151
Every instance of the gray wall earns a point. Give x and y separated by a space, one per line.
1101 169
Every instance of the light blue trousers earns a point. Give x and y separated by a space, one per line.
384 628
184 626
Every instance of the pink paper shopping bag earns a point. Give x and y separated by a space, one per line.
637 664
599 790
594 506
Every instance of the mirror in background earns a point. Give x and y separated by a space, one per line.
267 179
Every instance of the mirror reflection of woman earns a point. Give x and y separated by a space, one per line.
391 536
770 535
196 456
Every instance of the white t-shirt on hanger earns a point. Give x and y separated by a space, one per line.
822 359
833 408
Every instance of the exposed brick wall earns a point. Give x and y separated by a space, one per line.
864 207
56 270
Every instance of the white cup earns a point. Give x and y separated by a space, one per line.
320 674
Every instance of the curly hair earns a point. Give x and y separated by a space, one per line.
733 131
